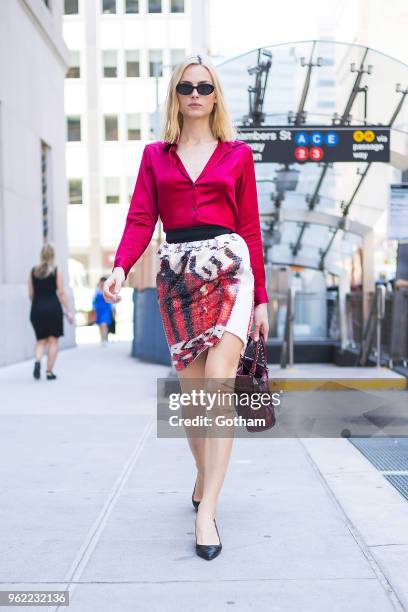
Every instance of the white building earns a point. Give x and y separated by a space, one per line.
33 193
111 97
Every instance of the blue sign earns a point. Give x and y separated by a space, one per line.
302 139
332 139
316 138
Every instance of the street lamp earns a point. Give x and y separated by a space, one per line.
286 179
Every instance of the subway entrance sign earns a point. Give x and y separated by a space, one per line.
288 144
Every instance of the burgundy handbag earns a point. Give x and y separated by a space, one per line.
252 377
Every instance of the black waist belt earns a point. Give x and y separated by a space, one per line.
197 232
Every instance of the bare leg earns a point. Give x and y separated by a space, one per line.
52 352
195 370
103 330
222 363
40 346
212 453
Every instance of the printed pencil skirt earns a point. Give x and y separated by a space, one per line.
204 287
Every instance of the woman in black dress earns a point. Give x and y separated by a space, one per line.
46 291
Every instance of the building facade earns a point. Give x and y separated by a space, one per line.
121 54
33 190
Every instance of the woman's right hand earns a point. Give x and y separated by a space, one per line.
113 285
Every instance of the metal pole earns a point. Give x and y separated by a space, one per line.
291 306
287 344
380 298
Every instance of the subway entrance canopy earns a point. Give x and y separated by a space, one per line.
328 125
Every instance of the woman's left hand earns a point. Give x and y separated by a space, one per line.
261 325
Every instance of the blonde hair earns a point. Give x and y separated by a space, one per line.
220 121
46 265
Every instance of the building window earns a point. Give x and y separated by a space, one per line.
109 7
45 197
71 7
75 191
177 6
112 189
132 6
111 127
154 6
133 126
176 56
132 63
110 64
74 70
155 62
74 128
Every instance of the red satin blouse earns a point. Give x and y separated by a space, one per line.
223 194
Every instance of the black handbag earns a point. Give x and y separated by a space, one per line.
252 377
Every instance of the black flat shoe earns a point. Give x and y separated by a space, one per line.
37 370
195 503
50 375
208 551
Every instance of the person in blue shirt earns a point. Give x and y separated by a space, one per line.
103 311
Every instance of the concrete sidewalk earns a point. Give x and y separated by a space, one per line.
93 502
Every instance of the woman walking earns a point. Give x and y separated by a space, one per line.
201 181
104 312
46 292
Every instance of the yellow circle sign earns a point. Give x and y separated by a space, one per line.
368 136
358 136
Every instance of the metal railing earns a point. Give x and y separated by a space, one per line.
397 338
303 316
380 313
287 352
383 338
385 334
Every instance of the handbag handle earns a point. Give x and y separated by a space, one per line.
257 345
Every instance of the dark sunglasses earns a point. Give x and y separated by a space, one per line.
185 89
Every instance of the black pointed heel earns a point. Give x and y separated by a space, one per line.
195 503
208 551
50 375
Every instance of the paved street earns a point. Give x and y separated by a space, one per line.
93 502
